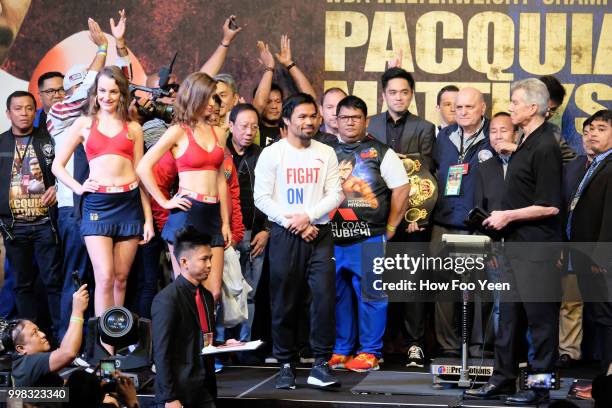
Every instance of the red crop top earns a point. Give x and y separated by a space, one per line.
98 144
196 158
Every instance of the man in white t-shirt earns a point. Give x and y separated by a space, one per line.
296 186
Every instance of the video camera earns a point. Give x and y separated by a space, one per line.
157 109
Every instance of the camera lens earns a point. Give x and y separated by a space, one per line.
117 327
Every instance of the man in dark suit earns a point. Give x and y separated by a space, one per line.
406 134
457 154
570 316
397 127
183 321
489 192
590 221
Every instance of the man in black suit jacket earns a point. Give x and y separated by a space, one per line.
183 320
397 127
570 316
406 134
590 221
488 195
490 174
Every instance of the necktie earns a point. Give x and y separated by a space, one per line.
579 192
201 311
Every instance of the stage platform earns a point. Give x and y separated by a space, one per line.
253 387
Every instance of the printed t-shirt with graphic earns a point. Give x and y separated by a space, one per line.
27 184
369 170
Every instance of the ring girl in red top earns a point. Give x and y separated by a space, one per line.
201 200
116 212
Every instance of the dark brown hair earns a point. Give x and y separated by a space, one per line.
118 76
192 98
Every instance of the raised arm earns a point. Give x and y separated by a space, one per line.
260 100
71 343
118 31
97 37
213 65
285 58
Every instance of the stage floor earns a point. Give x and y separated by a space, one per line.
253 386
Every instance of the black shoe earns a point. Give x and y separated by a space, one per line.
565 361
528 397
286 377
416 358
321 376
491 391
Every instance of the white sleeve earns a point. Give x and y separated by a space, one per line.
265 182
83 90
332 191
392 170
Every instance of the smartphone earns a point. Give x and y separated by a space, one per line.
232 23
540 380
108 368
76 280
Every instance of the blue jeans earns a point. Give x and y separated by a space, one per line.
251 270
145 272
38 242
75 259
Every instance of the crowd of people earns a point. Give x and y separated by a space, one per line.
306 190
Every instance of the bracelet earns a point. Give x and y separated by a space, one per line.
103 47
269 69
290 66
391 228
101 53
224 45
77 319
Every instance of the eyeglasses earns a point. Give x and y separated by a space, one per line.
53 91
347 118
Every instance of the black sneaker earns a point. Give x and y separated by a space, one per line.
416 358
286 377
321 376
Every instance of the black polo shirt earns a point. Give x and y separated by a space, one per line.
534 177
395 128
268 134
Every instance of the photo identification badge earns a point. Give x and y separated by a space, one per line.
453 179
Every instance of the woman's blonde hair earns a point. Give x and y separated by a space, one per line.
192 98
120 79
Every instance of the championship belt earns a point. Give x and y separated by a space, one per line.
423 190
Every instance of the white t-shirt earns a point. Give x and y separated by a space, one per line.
290 181
392 170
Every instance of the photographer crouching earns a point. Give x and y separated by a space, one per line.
34 365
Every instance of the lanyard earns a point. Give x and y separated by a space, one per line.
25 152
473 138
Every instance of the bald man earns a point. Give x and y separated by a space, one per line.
458 151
